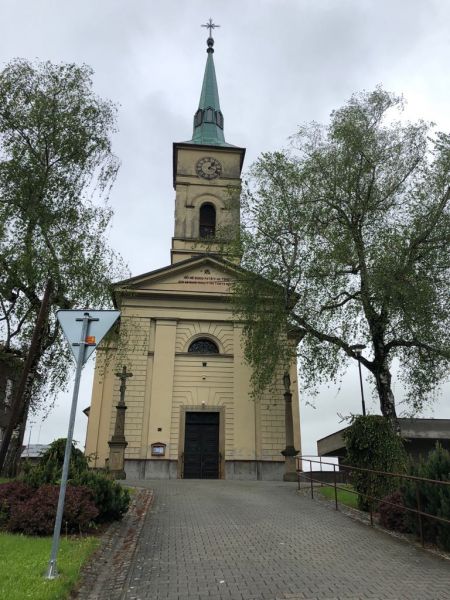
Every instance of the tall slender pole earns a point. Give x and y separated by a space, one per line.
358 348
362 390
52 570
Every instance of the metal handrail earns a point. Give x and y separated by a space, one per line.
371 499
351 467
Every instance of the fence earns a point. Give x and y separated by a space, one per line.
346 471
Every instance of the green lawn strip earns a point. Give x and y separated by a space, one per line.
345 496
24 562
4 480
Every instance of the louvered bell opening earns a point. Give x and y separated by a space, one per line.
207 221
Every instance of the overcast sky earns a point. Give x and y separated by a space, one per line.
279 63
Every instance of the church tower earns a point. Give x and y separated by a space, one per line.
206 176
190 410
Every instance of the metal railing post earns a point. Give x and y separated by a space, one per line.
370 496
335 488
419 514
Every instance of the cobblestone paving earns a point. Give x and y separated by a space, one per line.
262 541
104 577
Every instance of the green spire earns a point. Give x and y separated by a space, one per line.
208 120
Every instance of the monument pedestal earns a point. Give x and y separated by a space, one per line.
117 458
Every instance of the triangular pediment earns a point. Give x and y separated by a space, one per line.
209 275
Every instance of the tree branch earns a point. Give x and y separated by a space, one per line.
348 297
332 339
445 353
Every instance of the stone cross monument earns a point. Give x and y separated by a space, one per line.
118 442
289 453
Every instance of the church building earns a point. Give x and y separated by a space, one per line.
190 412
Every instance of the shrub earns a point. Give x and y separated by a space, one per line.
393 517
12 493
372 444
50 465
110 497
434 498
36 515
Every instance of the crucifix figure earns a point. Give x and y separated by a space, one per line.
123 376
118 442
210 25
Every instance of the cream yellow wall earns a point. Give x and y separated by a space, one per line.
105 393
98 429
166 377
192 191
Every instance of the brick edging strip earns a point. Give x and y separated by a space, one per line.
105 574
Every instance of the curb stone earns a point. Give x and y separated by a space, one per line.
105 574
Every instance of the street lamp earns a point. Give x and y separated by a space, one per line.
358 348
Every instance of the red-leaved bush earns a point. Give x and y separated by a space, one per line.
36 515
12 493
392 512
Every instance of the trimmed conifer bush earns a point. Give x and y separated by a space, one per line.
110 497
434 498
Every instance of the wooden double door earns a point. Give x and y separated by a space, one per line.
201 446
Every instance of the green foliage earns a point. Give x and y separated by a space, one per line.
111 499
434 498
24 560
49 468
56 171
372 444
345 240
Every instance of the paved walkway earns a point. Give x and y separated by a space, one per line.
258 540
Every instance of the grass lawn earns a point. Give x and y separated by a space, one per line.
344 497
4 480
24 562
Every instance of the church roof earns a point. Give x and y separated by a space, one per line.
180 279
208 120
178 266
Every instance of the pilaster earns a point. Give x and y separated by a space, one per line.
162 382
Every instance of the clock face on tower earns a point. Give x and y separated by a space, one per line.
208 167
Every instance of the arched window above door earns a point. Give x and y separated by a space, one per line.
207 227
203 346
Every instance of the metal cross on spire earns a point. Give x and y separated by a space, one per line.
210 25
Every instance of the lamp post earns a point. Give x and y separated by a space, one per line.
358 348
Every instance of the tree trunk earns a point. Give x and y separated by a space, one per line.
22 396
12 460
383 380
